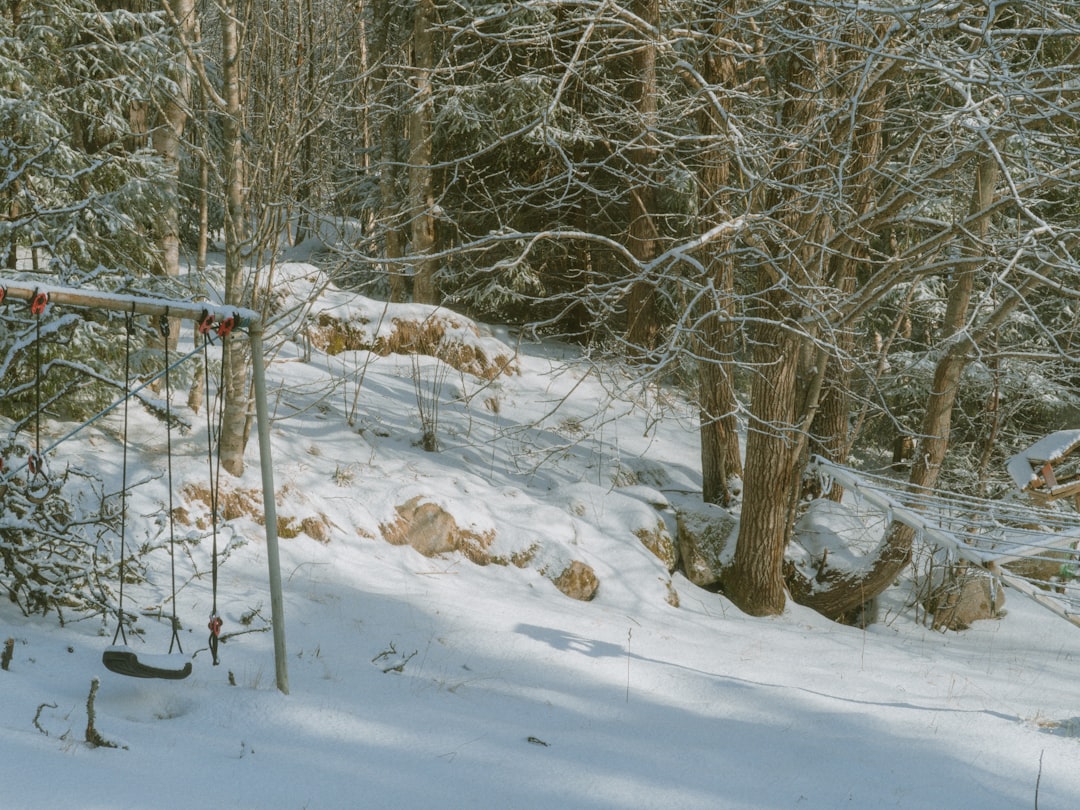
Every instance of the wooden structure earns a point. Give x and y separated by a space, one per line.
1048 470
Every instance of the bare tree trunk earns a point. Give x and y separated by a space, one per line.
720 452
937 422
756 583
831 428
166 137
204 207
386 97
421 175
305 64
642 312
234 422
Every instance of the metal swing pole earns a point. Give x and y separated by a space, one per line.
43 294
273 562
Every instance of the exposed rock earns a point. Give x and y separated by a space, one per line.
706 542
964 599
578 581
431 530
434 331
659 541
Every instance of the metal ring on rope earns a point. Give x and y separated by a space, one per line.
38 487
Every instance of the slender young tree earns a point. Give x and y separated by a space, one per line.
421 173
234 424
643 236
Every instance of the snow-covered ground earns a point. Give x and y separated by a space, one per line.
419 682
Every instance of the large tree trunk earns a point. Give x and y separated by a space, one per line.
756 583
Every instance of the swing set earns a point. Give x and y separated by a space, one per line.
210 321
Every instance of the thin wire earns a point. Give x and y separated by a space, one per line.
990 528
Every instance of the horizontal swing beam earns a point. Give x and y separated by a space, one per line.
246 319
138 305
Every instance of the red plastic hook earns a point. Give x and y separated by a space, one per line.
39 302
226 326
206 323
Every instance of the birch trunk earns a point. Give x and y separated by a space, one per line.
235 357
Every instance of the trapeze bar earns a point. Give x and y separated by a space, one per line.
139 305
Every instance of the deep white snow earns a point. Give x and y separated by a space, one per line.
421 682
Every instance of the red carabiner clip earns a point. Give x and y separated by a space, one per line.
41 300
206 323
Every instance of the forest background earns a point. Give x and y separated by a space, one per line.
846 228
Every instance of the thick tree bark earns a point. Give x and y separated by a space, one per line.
756 583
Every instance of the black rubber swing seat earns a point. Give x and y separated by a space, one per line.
124 661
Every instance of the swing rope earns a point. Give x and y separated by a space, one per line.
215 622
164 326
38 485
129 327
122 660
